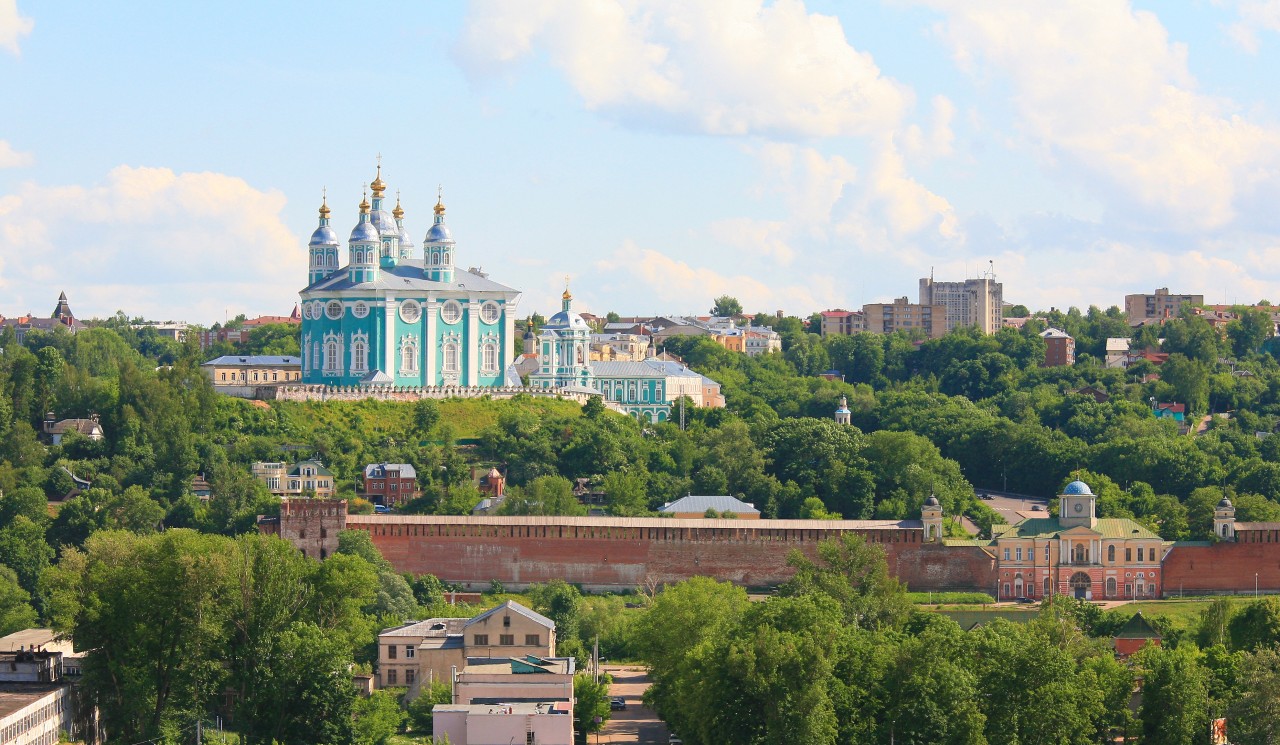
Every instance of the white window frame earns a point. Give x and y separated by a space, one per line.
451 312
410 311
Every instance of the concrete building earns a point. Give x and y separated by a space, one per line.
390 484
38 705
305 477
841 321
1159 307
973 302
697 506
502 724
419 652
1060 348
901 315
251 371
527 679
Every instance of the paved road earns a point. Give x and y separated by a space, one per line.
637 723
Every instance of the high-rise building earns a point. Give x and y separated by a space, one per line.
973 302
1160 307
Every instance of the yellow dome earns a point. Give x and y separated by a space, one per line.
378 186
439 207
398 212
324 206
364 204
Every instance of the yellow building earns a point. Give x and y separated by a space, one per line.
235 370
285 480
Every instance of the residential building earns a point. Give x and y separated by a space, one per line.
1117 352
233 371
390 484
758 340
305 477
55 429
697 506
1159 307
395 317
62 318
495 724
1078 553
417 653
1176 412
901 315
169 330
972 302
1060 348
841 321
619 347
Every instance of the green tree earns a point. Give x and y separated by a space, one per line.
16 612
856 575
1254 718
726 306
1256 625
426 414
591 709
562 603
378 717
626 493
23 549
1175 695
545 495
419 709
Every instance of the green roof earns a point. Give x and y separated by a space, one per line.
320 469
1137 628
1049 527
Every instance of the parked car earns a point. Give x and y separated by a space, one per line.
381 509
674 739
617 704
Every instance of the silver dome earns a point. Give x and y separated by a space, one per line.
324 236
566 320
364 232
439 233
383 221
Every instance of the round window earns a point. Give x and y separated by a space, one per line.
489 312
360 310
451 312
306 311
317 309
333 310
410 311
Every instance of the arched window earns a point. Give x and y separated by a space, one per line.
1048 586
489 354
582 355
409 356
331 355
1111 587
451 357
1080 556
1111 555
1017 586
359 356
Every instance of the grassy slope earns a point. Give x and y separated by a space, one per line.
377 419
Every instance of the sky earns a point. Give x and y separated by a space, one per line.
167 159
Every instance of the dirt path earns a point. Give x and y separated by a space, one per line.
637 723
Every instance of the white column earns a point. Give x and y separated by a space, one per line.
389 349
429 341
505 354
473 341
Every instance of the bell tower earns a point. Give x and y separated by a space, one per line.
1224 520
1076 506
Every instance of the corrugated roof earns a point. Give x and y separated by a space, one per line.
719 503
514 607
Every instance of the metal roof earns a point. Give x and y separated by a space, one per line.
515 607
719 503
1107 527
432 627
408 275
253 360
632 522
379 470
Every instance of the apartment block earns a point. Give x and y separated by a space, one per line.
1160 307
900 315
972 302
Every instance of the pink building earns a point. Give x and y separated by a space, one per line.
501 724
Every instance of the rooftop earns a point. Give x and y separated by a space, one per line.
432 627
1048 527
518 709
263 360
528 664
693 503
633 522
514 607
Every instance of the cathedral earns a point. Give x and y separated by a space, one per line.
392 317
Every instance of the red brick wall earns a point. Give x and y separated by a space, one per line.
1223 567
600 558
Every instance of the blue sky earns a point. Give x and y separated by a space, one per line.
167 158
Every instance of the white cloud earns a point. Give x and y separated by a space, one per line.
671 283
1103 96
13 26
10 158
151 242
723 67
1255 16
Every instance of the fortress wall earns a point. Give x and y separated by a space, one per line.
1222 568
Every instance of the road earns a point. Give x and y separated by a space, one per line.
637 723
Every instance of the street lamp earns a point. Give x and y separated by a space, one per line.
1255 585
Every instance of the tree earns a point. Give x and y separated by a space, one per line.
625 493
1254 717
16 612
561 602
426 413
856 576
545 495
23 549
1256 625
591 710
419 709
726 306
378 717
1175 698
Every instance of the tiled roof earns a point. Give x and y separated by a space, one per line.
719 503
515 607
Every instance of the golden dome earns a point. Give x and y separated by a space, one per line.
378 186
364 204
324 204
439 207
566 295
398 212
